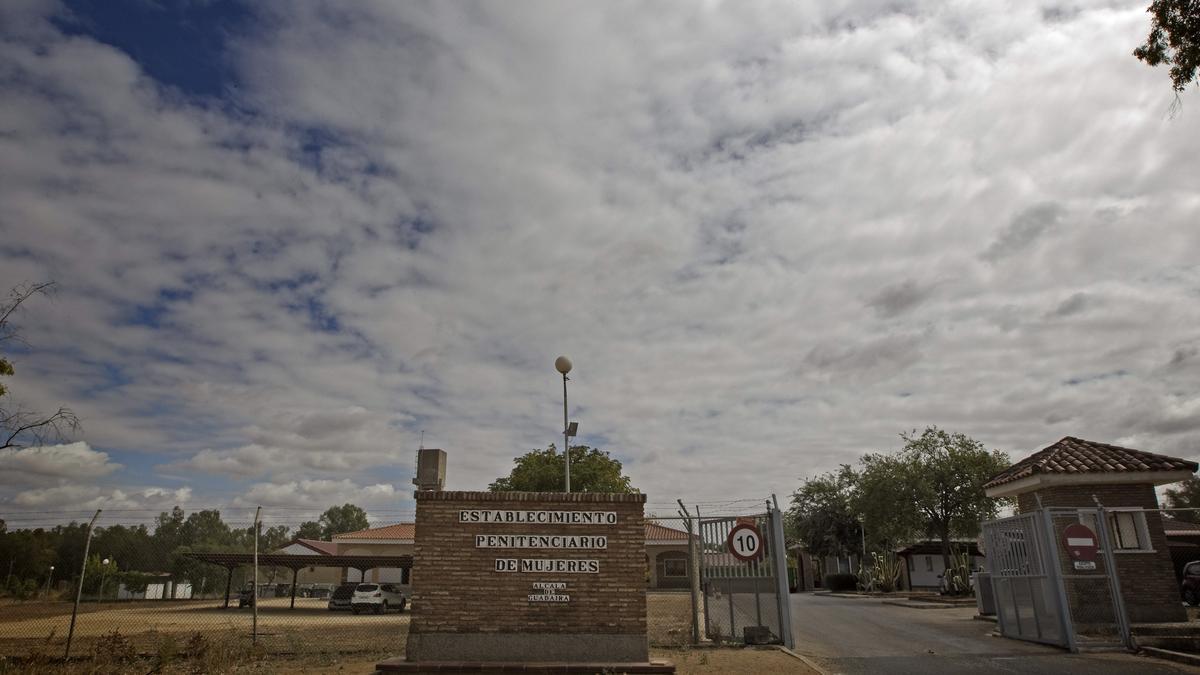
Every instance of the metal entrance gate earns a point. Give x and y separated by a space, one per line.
1041 594
1028 594
745 602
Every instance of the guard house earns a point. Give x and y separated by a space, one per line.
1075 473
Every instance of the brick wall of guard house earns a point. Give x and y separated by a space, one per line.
1148 584
456 590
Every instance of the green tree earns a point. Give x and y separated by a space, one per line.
592 470
340 519
1185 495
933 485
1174 39
310 529
822 516
18 427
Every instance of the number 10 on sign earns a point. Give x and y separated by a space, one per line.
745 542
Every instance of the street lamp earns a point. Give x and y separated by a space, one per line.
563 365
49 577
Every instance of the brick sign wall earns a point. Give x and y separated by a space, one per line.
528 576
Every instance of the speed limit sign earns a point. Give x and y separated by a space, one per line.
745 542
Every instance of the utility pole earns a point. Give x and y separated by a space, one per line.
87 545
254 597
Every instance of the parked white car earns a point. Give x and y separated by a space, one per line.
377 598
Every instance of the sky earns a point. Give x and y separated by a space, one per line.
288 238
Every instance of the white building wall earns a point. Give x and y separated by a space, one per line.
926 570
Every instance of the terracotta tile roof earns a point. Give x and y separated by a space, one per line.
322 547
396 531
656 532
1180 528
1074 456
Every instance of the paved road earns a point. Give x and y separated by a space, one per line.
847 635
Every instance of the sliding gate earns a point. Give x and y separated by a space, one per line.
745 601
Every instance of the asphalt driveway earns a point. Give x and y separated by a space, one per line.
850 635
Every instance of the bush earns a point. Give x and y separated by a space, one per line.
841 582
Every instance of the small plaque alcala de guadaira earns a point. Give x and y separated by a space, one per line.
549 592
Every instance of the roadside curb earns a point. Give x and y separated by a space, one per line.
920 605
1168 655
807 661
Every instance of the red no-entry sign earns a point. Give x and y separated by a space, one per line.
1081 542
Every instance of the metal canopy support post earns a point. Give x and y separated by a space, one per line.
779 562
295 573
228 583
87 545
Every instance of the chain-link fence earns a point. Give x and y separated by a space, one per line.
185 581
179 582
671 609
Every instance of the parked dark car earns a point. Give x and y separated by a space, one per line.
1189 588
341 596
246 597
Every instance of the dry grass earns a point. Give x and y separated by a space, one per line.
310 627
668 619
688 662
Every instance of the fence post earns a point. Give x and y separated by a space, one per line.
704 581
87 545
779 560
1114 583
693 572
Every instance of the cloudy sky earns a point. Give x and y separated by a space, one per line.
771 235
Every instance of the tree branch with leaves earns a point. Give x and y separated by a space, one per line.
1174 40
21 428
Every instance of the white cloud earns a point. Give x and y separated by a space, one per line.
51 463
307 493
88 497
770 235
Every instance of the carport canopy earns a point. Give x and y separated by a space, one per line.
295 563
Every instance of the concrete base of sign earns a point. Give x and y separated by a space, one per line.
527 647
402 665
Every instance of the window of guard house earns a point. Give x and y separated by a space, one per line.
1127 529
674 567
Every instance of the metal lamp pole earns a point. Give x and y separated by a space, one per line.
563 365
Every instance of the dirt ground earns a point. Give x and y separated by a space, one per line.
326 642
748 661
687 662
309 627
